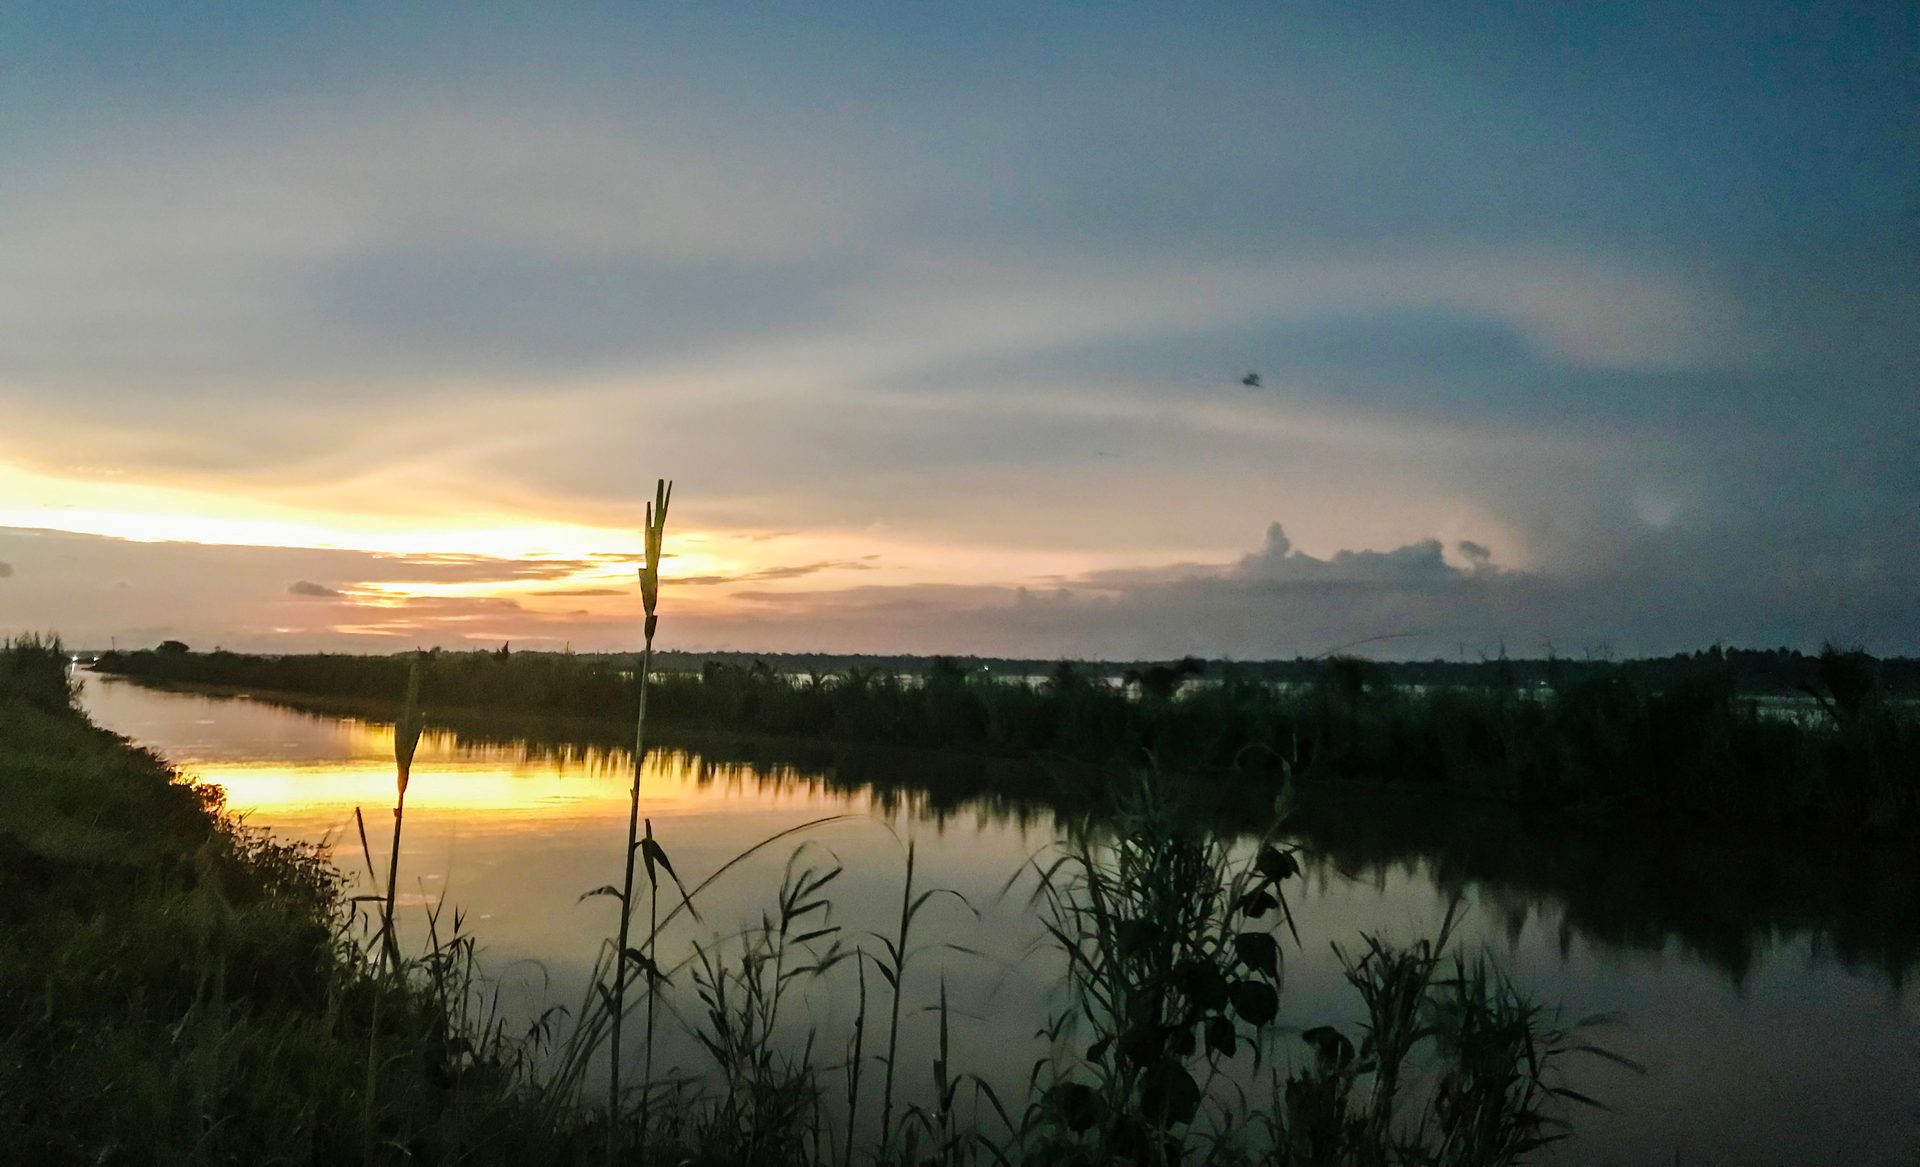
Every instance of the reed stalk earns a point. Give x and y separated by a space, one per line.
650 598
895 970
406 738
855 1052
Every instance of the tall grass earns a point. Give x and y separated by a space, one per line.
1174 944
769 1099
1175 966
406 740
891 962
624 955
35 669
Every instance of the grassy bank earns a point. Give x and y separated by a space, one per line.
1677 744
176 989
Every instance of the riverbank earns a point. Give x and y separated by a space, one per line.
178 989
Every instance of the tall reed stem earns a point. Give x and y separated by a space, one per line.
897 950
406 738
650 597
651 967
857 1051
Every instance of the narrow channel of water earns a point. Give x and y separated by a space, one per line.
1768 993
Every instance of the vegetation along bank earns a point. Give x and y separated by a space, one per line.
1686 741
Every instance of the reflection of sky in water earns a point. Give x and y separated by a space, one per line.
1803 1062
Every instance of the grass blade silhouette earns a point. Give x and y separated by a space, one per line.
650 599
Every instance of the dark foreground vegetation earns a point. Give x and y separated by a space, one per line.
1684 741
173 989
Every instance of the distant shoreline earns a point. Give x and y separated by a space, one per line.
1778 672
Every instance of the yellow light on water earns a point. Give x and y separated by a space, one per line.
493 788
480 789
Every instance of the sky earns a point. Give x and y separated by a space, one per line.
1585 327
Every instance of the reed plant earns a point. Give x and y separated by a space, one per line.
406 740
1174 964
769 1097
624 954
1493 1084
855 1060
1173 942
892 962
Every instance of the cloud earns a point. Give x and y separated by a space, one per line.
239 596
1403 601
1278 562
996 321
402 251
316 287
1589 308
292 239
453 607
476 568
1477 555
444 619
785 571
1662 591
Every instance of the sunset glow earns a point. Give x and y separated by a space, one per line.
1034 362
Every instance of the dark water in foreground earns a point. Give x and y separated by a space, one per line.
1768 988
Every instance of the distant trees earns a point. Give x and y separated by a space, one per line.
1677 736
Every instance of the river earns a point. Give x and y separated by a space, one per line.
1766 990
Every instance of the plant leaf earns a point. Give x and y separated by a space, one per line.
1220 1036
1256 1003
1259 951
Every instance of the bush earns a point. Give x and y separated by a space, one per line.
35 669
